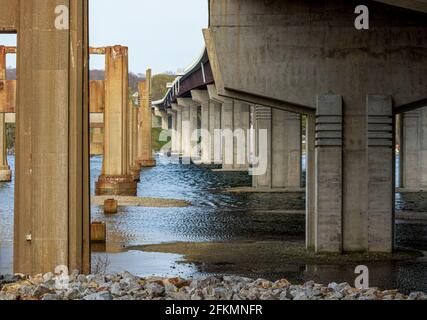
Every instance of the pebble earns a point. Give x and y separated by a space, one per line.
125 286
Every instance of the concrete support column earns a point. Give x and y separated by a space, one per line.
241 119
174 148
414 149
329 174
190 131
381 185
96 141
165 120
5 173
215 131
310 181
262 156
227 127
52 197
201 97
145 147
179 117
132 128
284 149
116 178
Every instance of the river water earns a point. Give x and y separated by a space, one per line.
216 215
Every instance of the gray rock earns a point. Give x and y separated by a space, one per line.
155 290
41 290
417 296
4 296
73 294
105 295
51 297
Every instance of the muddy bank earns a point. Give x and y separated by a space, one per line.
255 258
141 202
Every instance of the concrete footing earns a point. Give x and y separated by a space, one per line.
116 186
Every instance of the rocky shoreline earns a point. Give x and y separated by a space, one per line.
125 286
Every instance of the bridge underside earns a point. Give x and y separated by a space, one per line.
353 80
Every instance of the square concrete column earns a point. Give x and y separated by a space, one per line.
52 198
329 174
215 131
5 173
96 141
241 118
284 149
262 156
210 126
227 128
178 135
145 147
132 129
413 158
190 131
286 137
381 186
165 120
116 178
174 147
310 181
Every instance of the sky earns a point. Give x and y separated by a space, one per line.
165 35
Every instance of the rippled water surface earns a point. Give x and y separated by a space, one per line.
216 215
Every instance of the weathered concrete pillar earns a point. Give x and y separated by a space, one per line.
145 147
414 149
381 185
165 120
310 181
354 207
262 118
190 131
227 127
132 128
215 130
96 141
5 173
178 134
52 140
174 116
329 174
241 118
116 178
201 97
285 149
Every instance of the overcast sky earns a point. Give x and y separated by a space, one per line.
165 35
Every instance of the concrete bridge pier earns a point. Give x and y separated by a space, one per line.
5 173
52 194
116 178
353 207
235 119
134 167
145 144
165 120
413 159
96 141
177 133
210 125
190 131
284 148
